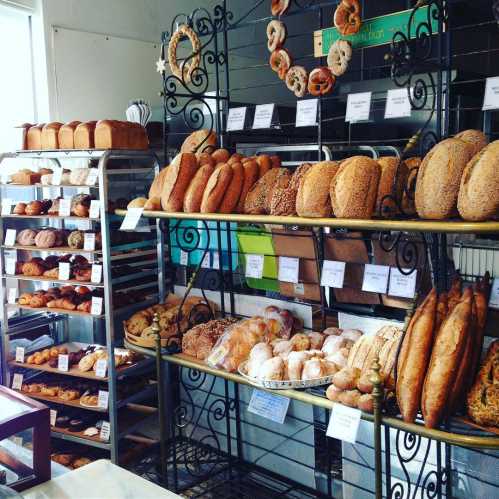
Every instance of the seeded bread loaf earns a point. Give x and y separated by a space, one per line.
177 178
391 168
257 201
476 138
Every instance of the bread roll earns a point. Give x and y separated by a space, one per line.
312 199
349 398
194 193
391 168
347 378
215 189
34 137
257 197
66 135
84 135
439 177
445 358
366 403
250 177
478 198
233 192
475 138
354 188
200 141
333 393
414 357
177 178
50 135
157 184
264 164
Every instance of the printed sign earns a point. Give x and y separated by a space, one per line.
306 112
254 266
263 116
333 274
269 406
236 118
375 278
344 423
288 269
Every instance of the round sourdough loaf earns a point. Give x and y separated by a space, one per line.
478 198
215 189
354 188
194 193
390 169
177 178
231 195
476 138
439 177
250 168
200 141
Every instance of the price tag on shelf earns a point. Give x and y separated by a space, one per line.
101 368
216 260
17 381
65 207
299 288
205 264
306 112
102 399
333 274
94 211
53 417
184 257
89 241
12 295
96 307
375 278
402 285
398 104
96 276
344 423
6 206
358 107
491 97
93 173
254 266
131 219
10 266
20 354
269 406
263 116
105 431
57 176
236 119
64 271
494 294
288 269
10 237
63 362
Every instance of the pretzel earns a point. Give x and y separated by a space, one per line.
296 80
339 56
276 35
280 62
186 68
320 81
347 17
279 7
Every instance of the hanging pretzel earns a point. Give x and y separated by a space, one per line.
187 66
279 7
347 17
320 81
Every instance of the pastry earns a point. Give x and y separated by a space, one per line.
276 35
200 141
321 81
33 269
177 178
339 56
297 79
185 70
272 369
216 187
260 353
76 239
194 193
279 7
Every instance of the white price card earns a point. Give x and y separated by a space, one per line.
96 276
65 207
398 104
105 431
6 206
10 266
344 423
96 307
89 241
94 211
306 112
102 399
10 237
12 295
131 219
263 116
299 288
184 257
57 176
401 284
101 368
205 264
375 278
17 381
288 269
53 417
333 274
63 362
93 173
358 107
494 294
254 266
491 97
20 354
236 118
64 271
216 260
269 406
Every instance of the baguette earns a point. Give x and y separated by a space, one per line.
233 192
220 156
481 297
445 358
215 189
194 193
177 178
454 295
413 357
442 310
250 168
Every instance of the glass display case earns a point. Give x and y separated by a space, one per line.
24 441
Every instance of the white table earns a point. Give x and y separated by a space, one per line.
98 480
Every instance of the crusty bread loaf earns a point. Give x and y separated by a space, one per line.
408 205
444 362
153 204
282 181
157 184
215 189
276 161
313 199
235 158
478 198
177 178
34 137
194 193
391 168
50 135
481 290
414 357
442 310
439 177
205 158
250 168
84 135
220 156
476 138
257 199
137 136
66 135
354 188
200 141
233 192
264 164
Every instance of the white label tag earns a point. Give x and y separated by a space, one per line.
358 107
63 362
6 206
57 176
288 269
64 271
184 257
10 237
306 112
102 399
93 173
269 406
216 260
94 211
344 423
333 274
375 278
65 207
236 118
398 104
12 295
491 97
263 116
402 285
131 219
10 266
101 368
205 264
254 266
494 294
17 381
89 241
299 288
105 431
96 276
96 308
53 417
19 354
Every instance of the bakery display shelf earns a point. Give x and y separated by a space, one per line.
80 153
58 249
67 403
79 438
437 226
54 311
51 217
60 186
72 282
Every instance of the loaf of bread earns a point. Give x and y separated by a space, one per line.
481 291
354 188
220 156
258 199
475 138
66 135
50 135
439 177
412 166
111 134
264 164
34 137
214 192
200 141
312 199
157 184
233 192
177 178
83 136
478 198
251 173
194 193
283 202
205 158
444 362
392 180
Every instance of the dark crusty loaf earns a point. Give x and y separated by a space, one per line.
391 168
476 138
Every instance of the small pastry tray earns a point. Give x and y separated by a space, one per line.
284 384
